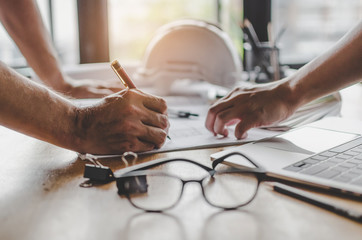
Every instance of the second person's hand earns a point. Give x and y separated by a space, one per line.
248 108
87 88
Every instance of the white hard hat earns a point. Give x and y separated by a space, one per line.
190 49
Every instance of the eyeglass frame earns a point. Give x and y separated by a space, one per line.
258 171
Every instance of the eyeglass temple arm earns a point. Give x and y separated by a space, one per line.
222 158
158 162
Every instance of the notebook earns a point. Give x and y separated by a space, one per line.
325 154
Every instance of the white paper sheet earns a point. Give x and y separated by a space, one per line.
191 133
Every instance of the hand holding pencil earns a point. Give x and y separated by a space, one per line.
129 120
123 76
153 106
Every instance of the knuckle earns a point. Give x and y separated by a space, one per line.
128 127
213 110
129 109
221 116
161 138
158 135
162 104
164 123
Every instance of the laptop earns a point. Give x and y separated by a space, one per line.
325 154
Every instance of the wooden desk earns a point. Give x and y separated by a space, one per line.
40 198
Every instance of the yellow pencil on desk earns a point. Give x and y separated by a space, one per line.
123 76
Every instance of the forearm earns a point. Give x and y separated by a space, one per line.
22 20
271 103
332 71
32 109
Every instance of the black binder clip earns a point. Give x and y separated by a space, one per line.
96 172
99 174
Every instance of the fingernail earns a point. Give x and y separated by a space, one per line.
225 133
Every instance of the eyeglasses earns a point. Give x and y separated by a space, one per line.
156 191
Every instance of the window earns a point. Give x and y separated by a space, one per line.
64 32
65 29
132 23
9 53
312 26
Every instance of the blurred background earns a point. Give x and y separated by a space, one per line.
86 31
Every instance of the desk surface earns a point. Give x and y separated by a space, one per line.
40 198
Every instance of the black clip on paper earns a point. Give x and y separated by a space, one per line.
98 173
95 172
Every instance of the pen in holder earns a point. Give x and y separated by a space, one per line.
261 58
262 65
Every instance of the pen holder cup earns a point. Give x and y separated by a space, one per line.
262 64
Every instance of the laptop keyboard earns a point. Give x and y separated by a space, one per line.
341 164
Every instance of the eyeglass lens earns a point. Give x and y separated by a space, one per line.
224 190
230 189
162 193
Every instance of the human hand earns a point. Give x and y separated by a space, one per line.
250 107
89 88
126 121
